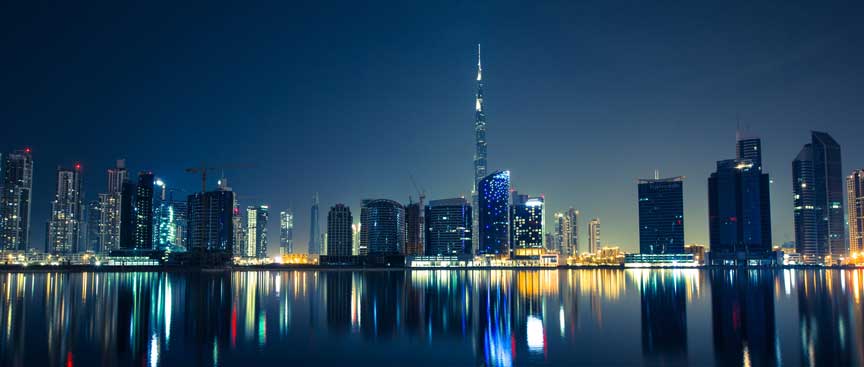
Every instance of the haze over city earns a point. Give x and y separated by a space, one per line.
350 100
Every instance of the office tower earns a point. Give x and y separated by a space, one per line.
66 212
180 222
479 151
739 217
164 219
210 221
314 247
493 197
855 200
593 235
256 231
286 232
415 227
110 208
382 227
127 216
144 211
91 229
818 190
15 199
448 228
355 228
749 149
661 215
567 232
339 235
526 226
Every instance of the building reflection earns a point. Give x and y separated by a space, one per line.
664 316
742 314
826 320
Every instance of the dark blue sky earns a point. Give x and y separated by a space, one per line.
349 99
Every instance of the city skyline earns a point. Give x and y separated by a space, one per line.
545 113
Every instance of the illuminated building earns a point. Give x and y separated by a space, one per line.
818 191
144 211
480 163
164 225
355 230
493 197
339 235
66 212
127 216
256 231
211 221
448 227
415 228
90 228
15 200
110 209
661 215
739 208
286 232
698 252
855 200
314 247
526 226
593 235
567 232
382 227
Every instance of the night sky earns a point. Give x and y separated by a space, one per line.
350 99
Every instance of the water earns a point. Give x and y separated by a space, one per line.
450 318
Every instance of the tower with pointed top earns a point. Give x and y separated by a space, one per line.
479 140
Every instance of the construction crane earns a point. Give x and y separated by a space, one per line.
422 195
203 169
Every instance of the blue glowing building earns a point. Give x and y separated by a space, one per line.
493 222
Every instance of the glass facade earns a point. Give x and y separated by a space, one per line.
818 197
286 232
16 190
661 216
526 226
211 221
448 225
382 227
339 233
493 221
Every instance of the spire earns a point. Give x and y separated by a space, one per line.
479 65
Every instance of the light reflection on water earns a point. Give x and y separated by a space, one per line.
491 317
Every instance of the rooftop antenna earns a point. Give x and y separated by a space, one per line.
656 174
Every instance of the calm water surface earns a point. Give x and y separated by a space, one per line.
452 318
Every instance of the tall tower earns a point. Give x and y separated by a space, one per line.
339 232
286 232
66 212
593 235
314 247
818 188
479 143
855 199
16 174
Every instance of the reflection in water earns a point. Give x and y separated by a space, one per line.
433 317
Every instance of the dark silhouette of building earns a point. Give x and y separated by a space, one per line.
314 246
210 221
661 216
382 227
339 233
493 221
817 182
448 227
414 227
16 191
664 319
144 211
127 215
742 313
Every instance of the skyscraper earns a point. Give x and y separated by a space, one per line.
448 230
314 247
144 211
15 199
480 164
855 200
110 208
127 216
164 219
818 190
661 215
286 232
593 235
526 226
382 227
91 229
66 212
567 232
415 227
210 221
256 231
493 197
339 234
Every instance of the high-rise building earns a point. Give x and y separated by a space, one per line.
111 209
314 247
180 222
64 228
339 235
286 232
127 216
164 219
256 231
355 230
382 227
415 228
567 232
855 200
818 190
593 235
661 215
493 197
448 228
480 163
15 199
210 221
91 230
144 211
526 226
